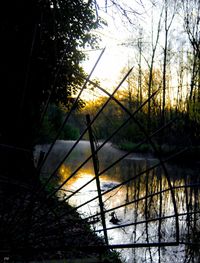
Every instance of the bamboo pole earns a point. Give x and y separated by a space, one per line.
96 171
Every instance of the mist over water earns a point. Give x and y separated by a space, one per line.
146 213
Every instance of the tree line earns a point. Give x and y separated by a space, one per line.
41 50
166 59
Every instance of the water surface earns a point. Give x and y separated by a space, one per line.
144 206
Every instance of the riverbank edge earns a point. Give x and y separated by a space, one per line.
99 252
24 237
187 155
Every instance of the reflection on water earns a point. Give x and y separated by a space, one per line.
144 205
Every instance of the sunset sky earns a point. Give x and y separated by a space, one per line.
120 39
114 58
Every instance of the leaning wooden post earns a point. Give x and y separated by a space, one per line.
95 165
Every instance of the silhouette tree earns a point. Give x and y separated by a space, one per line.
40 49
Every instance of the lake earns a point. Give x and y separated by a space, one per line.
145 201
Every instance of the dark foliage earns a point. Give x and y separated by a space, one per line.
51 125
40 42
